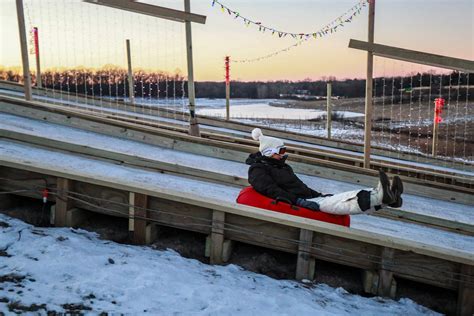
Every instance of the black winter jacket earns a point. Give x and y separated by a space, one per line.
276 179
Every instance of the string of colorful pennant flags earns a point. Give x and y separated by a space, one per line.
329 28
298 43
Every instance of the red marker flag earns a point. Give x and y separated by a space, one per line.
227 70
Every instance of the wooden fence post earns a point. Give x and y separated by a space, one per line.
217 237
63 204
137 217
304 262
193 122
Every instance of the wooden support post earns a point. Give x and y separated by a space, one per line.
193 123
63 204
227 248
131 84
329 108
24 50
385 282
369 88
137 224
304 264
217 237
465 305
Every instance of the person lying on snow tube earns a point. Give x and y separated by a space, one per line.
270 175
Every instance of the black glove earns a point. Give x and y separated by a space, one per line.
326 195
307 204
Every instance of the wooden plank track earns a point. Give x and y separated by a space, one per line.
212 176
224 150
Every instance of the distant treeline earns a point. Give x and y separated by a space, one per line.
113 82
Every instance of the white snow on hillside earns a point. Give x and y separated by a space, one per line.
58 266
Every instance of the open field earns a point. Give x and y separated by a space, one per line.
399 125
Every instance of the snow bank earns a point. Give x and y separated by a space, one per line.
58 266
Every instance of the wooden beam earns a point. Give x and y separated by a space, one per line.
63 204
217 237
465 305
369 89
193 121
303 263
413 56
24 50
153 10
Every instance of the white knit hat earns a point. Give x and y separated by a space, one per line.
268 145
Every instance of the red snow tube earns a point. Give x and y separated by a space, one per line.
250 197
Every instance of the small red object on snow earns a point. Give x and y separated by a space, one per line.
45 195
439 103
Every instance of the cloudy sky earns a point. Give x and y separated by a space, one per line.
80 34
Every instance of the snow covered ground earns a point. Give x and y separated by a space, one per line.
64 270
266 111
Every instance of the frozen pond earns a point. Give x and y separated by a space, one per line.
267 111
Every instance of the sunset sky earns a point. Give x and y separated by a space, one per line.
74 33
